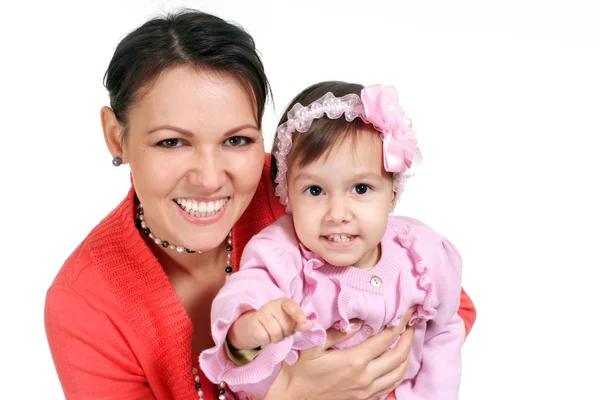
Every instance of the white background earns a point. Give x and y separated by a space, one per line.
505 97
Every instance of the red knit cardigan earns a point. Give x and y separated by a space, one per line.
114 323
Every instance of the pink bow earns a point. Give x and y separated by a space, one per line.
399 141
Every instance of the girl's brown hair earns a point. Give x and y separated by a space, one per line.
324 133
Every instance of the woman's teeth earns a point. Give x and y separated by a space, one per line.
340 238
201 208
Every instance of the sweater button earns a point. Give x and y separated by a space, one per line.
376 281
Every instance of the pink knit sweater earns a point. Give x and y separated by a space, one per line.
418 267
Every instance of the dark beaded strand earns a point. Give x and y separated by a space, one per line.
222 386
141 225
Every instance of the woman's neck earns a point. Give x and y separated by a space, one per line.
187 263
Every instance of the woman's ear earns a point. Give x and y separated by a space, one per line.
113 132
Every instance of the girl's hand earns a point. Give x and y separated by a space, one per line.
272 323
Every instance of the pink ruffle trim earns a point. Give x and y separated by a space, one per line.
425 311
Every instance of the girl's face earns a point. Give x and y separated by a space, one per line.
340 203
196 155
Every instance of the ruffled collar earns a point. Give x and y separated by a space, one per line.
386 268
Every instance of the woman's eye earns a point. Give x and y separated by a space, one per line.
237 141
313 191
361 188
170 143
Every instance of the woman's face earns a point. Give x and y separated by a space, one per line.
196 155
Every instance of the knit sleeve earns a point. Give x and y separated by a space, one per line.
92 358
439 376
268 271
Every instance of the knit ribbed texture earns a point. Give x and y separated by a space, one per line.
143 294
150 331
142 291
416 268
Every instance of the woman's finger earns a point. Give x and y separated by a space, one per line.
393 358
376 345
335 336
406 339
389 369
406 317
390 381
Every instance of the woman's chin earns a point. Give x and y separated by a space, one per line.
206 241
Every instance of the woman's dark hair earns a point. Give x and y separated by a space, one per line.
324 133
188 37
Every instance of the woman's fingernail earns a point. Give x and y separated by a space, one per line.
355 324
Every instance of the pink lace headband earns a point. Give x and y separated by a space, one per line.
377 105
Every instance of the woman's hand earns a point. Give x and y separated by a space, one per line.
362 372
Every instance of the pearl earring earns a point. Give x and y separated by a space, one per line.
116 161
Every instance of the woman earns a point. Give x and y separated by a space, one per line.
128 313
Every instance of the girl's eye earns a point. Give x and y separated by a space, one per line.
361 188
237 141
170 143
314 191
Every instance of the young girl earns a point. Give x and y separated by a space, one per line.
340 161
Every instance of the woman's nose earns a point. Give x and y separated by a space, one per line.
207 172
